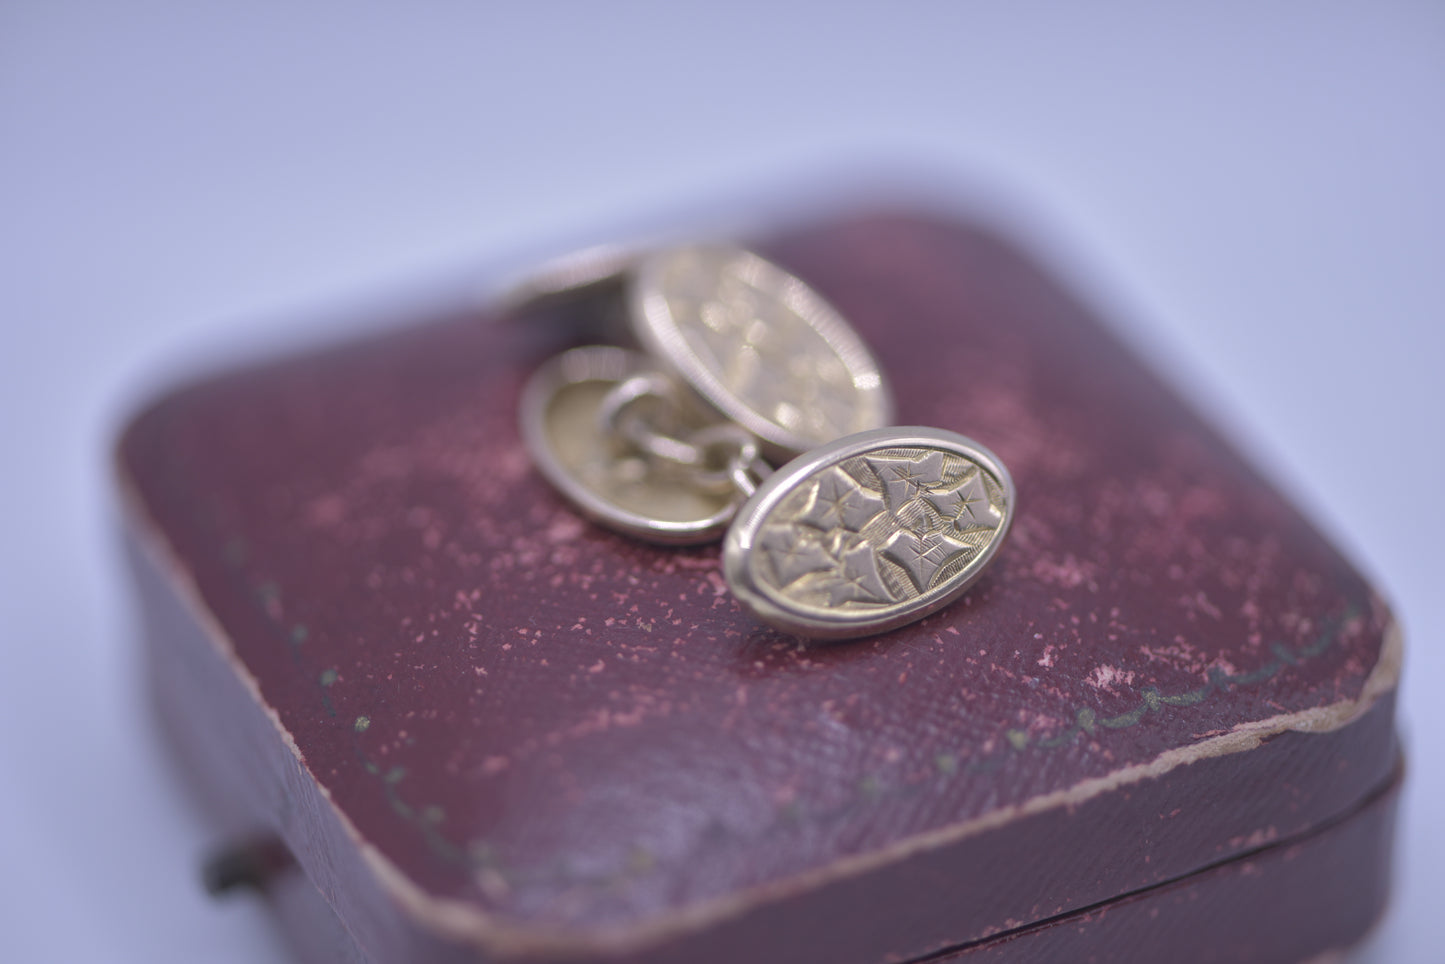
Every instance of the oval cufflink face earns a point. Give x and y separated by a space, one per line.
759 345
869 533
561 421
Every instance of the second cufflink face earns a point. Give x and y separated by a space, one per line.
611 480
757 344
869 533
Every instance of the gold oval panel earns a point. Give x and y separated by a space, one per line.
759 345
869 533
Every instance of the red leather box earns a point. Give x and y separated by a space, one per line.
476 727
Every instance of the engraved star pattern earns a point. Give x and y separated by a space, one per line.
837 500
966 504
838 543
905 479
858 579
921 556
794 553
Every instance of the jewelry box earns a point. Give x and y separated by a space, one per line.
437 715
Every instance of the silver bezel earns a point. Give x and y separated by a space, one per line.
740 543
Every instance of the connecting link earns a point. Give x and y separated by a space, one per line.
647 412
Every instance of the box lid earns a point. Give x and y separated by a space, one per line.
528 736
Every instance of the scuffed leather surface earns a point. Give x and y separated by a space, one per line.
1309 900
577 732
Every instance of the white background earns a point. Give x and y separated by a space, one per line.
1252 190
